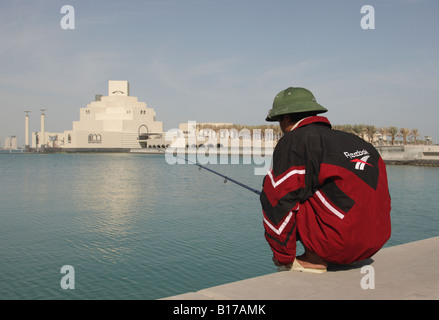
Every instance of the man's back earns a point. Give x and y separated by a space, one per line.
342 198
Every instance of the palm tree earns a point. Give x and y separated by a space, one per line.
342 127
370 131
415 135
404 132
359 130
348 128
393 131
213 130
382 131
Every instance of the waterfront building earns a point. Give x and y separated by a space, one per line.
11 143
117 122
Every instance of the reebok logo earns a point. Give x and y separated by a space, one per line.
359 163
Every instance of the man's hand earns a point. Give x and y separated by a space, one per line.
278 264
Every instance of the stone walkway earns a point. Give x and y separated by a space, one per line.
408 271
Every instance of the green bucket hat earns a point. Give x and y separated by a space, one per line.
294 100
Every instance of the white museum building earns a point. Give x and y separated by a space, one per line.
117 122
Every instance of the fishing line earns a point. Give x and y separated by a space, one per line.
226 178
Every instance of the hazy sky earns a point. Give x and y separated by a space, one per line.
221 60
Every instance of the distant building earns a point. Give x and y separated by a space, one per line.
11 143
117 122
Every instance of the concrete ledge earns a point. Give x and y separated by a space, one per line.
413 155
419 162
408 271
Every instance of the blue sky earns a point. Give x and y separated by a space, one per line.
221 61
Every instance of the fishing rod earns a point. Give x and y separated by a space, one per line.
226 178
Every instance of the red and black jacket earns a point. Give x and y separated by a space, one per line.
329 189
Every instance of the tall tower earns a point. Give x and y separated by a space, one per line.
26 130
43 134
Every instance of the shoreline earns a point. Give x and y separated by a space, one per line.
427 156
416 163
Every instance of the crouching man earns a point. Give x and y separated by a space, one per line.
326 188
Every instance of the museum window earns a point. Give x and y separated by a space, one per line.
94 138
69 139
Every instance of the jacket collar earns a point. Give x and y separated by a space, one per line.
313 119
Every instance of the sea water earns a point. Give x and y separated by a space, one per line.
135 227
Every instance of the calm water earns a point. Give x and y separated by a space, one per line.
134 227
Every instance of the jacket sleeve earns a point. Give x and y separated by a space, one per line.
291 180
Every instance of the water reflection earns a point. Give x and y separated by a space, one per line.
109 191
